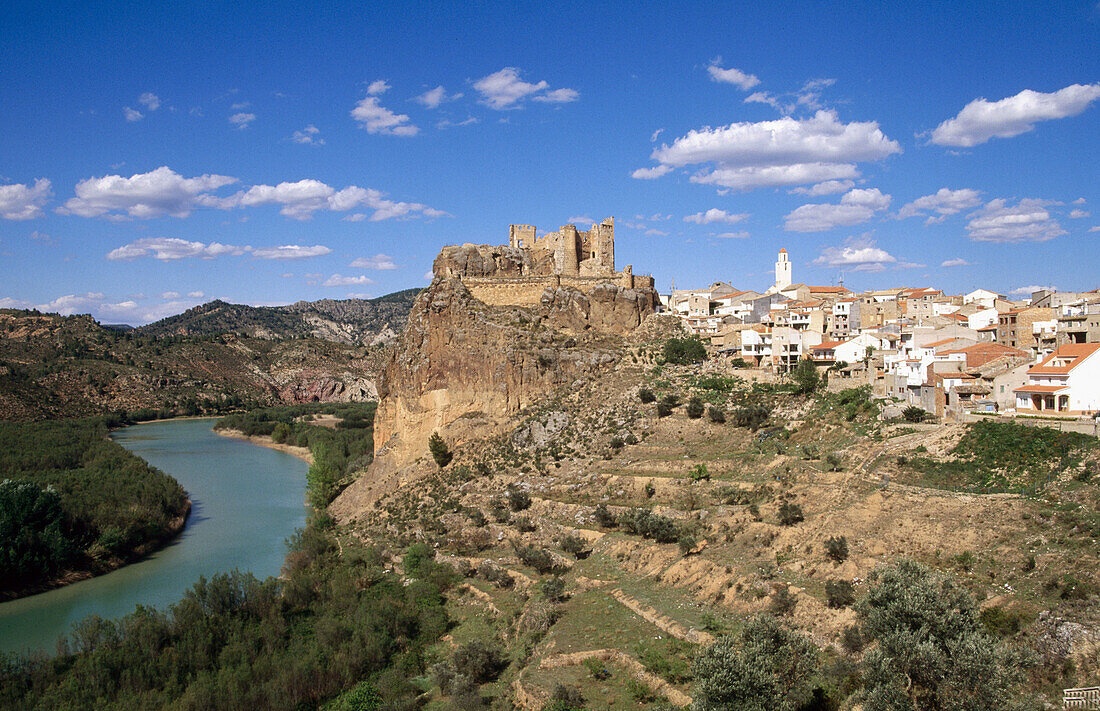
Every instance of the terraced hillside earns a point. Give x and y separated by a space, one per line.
605 547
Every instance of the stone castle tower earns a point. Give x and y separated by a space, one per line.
782 271
589 253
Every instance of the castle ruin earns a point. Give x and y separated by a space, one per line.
575 253
518 273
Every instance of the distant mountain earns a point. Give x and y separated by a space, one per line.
348 321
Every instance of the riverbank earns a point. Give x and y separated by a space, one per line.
102 567
302 453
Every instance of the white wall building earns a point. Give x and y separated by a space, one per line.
1065 382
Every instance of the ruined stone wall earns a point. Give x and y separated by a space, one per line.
527 291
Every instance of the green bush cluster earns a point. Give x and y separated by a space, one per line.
647 524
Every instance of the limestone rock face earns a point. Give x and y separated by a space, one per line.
463 368
480 260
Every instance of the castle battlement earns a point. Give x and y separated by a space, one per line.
517 274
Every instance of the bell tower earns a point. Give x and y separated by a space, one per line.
782 271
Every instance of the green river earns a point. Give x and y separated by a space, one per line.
246 501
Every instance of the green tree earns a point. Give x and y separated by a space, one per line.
322 477
684 351
806 379
765 667
440 452
933 651
32 540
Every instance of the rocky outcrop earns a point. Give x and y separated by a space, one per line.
481 260
463 368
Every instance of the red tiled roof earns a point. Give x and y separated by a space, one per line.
827 345
1077 351
936 344
1040 389
829 290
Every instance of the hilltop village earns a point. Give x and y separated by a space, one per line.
949 354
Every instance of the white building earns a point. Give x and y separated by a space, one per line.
1067 382
782 271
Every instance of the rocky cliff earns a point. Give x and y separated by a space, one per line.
463 368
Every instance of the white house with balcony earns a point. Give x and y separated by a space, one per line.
1067 382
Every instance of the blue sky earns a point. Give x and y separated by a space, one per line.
155 156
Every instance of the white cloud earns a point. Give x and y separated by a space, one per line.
356 217
653 137
505 90
434 97
656 233
715 215
170 295
558 96
731 76
242 120
132 114
1095 229
1029 290
195 294
829 187
1080 201
1027 221
7 302
733 235
144 195
149 100
375 118
650 173
859 254
943 202
857 206
981 120
308 136
357 295
291 251
378 86
785 151
1078 214
302 199
240 105
337 280
581 220
378 261
23 202
71 303
171 248
447 123
428 275
871 198
956 262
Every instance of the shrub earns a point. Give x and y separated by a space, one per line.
616 443
499 511
751 416
716 414
604 518
695 408
639 691
699 473
764 666
684 351
921 622
646 395
553 589
439 450
914 414
650 490
650 525
518 499
687 544
782 603
965 561
565 698
495 574
524 524
839 593
836 547
481 661
575 546
539 559
663 409
672 400
631 439
790 513
834 461
477 518
597 668
851 639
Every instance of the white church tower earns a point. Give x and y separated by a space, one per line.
782 271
